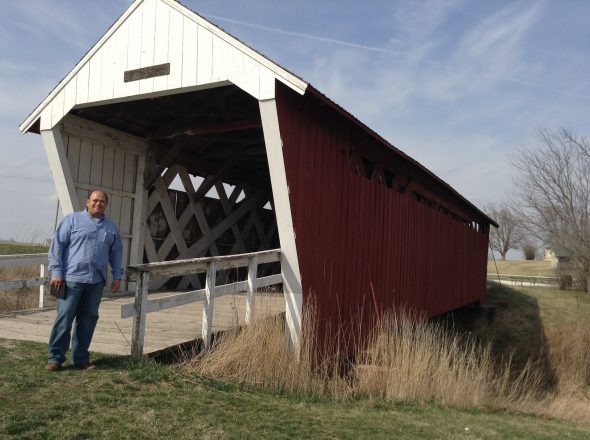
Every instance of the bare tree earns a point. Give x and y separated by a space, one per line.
508 234
553 192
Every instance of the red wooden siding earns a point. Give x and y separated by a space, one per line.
357 236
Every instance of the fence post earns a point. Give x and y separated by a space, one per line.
139 315
208 305
251 291
42 288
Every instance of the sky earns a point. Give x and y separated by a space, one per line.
459 85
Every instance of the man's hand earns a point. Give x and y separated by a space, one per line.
115 286
57 282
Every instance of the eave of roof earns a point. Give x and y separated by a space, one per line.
290 79
315 92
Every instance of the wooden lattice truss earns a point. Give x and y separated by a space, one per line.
243 215
204 141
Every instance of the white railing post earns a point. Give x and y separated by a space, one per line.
42 288
251 291
139 316
208 305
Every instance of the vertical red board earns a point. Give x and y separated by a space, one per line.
364 248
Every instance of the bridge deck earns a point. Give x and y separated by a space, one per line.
164 328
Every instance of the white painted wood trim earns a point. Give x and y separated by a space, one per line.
196 207
251 290
106 189
289 261
199 265
167 302
139 315
103 134
175 228
156 94
42 287
208 305
26 125
227 207
139 214
283 75
21 284
242 286
180 299
60 169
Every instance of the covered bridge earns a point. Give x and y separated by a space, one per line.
263 160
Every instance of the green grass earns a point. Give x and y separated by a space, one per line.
526 313
522 267
559 306
7 248
535 324
144 400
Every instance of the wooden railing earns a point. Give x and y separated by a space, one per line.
141 273
27 260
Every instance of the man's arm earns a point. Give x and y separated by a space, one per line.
116 261
59 243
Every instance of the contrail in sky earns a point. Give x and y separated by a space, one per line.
388 52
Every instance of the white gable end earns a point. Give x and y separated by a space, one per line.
152 33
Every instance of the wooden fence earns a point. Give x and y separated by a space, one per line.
27 260
141 273
525 280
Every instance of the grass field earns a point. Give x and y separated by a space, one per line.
25 298
124 399
9 248
521 267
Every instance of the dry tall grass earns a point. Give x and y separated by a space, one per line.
258 355
407 359
569 357
416 360
18 299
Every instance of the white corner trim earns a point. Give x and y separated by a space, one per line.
60 169
289 260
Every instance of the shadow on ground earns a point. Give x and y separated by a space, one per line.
510 320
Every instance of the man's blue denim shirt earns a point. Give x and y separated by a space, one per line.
81 249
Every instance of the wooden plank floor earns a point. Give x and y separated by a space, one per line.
163 329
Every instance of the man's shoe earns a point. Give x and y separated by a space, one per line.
52 366
85 366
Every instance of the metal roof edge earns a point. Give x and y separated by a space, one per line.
382 140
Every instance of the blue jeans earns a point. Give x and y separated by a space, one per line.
81 302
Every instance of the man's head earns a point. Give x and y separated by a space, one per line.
96 203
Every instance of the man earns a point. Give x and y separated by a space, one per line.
84 243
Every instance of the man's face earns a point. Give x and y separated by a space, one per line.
96 204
